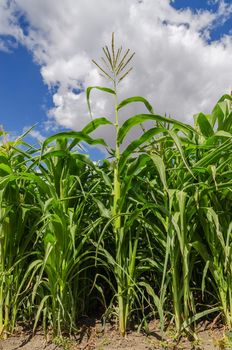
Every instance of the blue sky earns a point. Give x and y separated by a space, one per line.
25 98
198 5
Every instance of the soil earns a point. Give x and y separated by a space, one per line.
94 336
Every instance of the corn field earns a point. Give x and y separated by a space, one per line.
144 234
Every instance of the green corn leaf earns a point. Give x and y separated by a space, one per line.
93 125
225 97
103 210
38 314
77 135
219 113
179 146
198 316
156 301
100 88
158 161
136 99
134 145
204 125
141 118
227 125
6 168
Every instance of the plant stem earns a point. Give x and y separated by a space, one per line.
117 222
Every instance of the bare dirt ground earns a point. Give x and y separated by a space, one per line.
96 337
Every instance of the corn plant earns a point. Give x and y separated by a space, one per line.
18 212
214 201
126 250
144 234
64 256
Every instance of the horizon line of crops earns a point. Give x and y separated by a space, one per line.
146 235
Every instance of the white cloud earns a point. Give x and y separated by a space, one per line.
3 46
175 66
8 22
36 134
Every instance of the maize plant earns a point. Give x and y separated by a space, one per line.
143 234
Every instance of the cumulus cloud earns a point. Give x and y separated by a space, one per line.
37 135
176 65
3 46
9 27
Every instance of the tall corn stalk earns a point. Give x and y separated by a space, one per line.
115 69
127 248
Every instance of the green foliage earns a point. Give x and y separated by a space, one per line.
145 235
